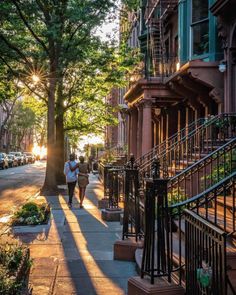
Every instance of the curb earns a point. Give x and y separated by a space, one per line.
34 196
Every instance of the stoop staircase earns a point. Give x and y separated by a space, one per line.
188 207
189 145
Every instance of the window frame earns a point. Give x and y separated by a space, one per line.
192 24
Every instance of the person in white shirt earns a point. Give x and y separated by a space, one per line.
71 177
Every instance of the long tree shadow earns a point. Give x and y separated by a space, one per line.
77 255
87 242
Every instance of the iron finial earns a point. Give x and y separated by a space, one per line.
156 167
132 160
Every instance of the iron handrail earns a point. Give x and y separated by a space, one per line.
205 205
202 195
185 171
167 142
200 205
197 131
192 171
175 143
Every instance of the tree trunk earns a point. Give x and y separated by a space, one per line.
60 149
60 145
50 185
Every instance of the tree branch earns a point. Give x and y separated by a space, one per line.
26 84
40 41
17 50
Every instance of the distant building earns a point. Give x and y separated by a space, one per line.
10 141
3 130
111 133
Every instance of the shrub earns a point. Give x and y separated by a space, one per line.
31 214
12 258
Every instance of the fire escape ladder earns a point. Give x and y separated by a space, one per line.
155 15
157 48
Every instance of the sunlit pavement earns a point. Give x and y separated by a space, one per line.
18 184
76 255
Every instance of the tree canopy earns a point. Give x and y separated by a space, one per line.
50 46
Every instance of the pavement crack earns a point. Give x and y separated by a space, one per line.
54 279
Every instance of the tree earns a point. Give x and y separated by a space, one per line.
10 92
53 43
21 122
39 108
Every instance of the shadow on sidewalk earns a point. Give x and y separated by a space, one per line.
87 243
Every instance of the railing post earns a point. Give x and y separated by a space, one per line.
131 220
106 180
113 188
156 253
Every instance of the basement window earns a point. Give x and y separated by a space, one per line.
200 27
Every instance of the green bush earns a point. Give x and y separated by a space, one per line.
31 214
11 257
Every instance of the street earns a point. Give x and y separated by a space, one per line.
18 184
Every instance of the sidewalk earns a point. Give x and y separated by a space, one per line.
76 257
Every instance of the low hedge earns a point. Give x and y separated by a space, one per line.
15 264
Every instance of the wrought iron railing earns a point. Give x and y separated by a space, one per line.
115 187
103 176
203 174
205 137
206 205
165 245
133 222
147 158
156 252
205 256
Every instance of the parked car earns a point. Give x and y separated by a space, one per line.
12 160
25 159
3 161
19 157
30 156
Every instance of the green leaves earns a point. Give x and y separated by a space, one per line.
56 40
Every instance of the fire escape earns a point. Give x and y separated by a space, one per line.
157 55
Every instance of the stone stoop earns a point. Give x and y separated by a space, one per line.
111 214
138 286
125 249
103 203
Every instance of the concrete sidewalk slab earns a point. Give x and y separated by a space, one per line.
76 256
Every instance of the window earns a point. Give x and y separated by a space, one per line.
200 27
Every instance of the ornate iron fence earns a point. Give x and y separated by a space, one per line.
156 252
115 186
180 152
133 208
203 174
104 177
205 256
164 252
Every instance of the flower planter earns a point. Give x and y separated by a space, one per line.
38 228
32 228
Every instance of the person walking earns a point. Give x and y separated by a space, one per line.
71 177
83 177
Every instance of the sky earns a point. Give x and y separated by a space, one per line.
110 27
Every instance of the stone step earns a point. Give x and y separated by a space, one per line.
229 202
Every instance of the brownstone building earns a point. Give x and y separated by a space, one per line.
180 81
111 134
225 11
